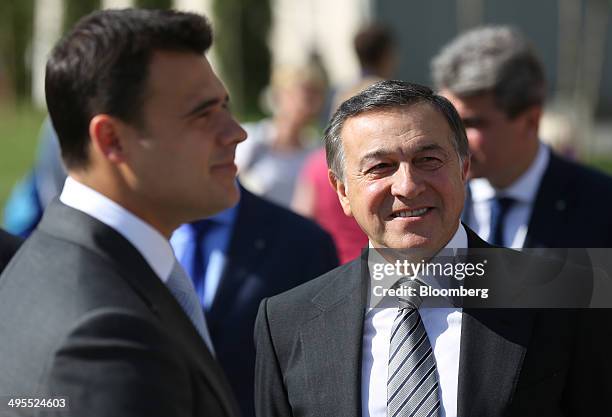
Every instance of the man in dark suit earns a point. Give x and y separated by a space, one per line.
96 311
521 194
398 157
251 251
8 246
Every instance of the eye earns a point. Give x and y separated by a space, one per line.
429 162
380 167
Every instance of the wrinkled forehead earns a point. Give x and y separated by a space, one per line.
410 127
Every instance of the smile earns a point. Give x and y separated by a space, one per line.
411 213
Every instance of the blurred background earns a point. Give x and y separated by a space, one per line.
255 37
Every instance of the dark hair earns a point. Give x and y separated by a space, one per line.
388 95
101 66
372 43
492 59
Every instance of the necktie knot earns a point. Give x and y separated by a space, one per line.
200 227
409 298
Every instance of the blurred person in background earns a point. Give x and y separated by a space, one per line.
520 193
270 161
316 198
39 187
238 257
375 48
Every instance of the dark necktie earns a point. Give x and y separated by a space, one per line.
197 254
412 379
499 209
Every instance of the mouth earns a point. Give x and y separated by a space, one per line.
407 213
228 168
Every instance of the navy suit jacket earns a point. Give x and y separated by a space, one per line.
271 250
572 208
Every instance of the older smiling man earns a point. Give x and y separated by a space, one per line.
398 160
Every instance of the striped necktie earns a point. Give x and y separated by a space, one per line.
412 379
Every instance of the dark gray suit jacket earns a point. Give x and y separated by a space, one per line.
513 362
84 317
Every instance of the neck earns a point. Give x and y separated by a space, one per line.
127 199
517 169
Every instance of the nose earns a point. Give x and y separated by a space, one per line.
407 183
233 133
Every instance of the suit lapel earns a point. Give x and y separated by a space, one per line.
493 346
550 209
332 344
245 252
70 224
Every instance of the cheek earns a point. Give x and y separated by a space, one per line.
368 197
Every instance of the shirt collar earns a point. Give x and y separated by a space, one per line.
524 189
154 247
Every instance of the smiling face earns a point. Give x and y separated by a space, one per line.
403 180
180 165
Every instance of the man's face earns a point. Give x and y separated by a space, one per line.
495 140
403 179
182 160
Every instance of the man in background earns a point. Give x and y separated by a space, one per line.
521 194
236 258
95 308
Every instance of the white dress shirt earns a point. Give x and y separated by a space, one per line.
154 247
524 191
443 327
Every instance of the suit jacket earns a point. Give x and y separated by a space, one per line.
271 250
8 246
572 208
513 362
85 317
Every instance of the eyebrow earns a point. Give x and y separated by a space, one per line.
205 104
381 153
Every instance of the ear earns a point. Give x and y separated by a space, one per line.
106 138
465 167
341 190
530 121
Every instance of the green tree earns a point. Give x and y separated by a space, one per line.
153 4
241 40
75 9
16 19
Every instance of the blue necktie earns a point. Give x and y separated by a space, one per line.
499 209
181 287
197 254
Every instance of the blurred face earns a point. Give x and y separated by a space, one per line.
403 180
181 163
497 143
301 101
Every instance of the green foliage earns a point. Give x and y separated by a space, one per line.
16 19
241 40
153 4
18 137
75 9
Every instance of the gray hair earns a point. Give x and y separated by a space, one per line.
382 96
495 59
